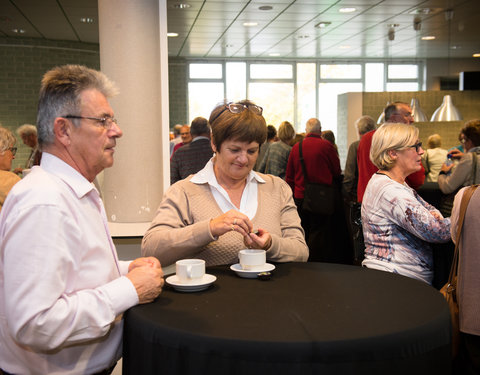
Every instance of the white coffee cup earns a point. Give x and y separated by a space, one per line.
188 270
252 259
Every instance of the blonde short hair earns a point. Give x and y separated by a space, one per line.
391 136
7 139
434 141
286 132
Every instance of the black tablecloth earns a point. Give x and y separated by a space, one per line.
308 318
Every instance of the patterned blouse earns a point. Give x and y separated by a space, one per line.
397 226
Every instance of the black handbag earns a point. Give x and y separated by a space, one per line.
318 198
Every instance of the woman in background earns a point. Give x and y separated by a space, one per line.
468 287
218 211
433 158
276 157
7 154
397 223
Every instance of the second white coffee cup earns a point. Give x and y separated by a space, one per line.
190 269
252 259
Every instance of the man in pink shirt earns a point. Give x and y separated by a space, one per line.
63 289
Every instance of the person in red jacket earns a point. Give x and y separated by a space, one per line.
396 112
323 166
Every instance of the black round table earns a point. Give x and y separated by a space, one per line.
309 318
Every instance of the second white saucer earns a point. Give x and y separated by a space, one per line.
248 274
191 286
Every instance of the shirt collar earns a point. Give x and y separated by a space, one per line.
200 137
57 167
207 175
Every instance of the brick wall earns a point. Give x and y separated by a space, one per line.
23 61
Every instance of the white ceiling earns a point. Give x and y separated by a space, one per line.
214 29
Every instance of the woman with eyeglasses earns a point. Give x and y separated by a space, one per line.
226 206
397 223
464 173
7 154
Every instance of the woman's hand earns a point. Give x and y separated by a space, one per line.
456 154
262 240
231 221
446 168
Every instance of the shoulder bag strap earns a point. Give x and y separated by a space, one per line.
302 162
467 194
474 166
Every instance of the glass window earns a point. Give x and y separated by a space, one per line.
236 80
206 71
338 71
374 78
271 71
203 97
327 102
402 86
277 100
402 71
306 94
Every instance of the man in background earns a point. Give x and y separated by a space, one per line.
192 157
322 166
176 137
185 136
62 288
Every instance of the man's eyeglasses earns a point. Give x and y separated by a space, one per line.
417 146
239 108
13 150
107 121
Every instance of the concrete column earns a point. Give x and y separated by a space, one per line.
134 54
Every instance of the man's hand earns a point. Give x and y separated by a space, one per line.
144 261
147 280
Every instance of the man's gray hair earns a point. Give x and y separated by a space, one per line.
199 127
60 95
365 124
313 126
26 130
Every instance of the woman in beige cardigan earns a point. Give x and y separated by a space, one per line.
226 206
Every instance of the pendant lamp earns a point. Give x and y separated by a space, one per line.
417 112
447 111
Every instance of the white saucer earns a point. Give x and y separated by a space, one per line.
248 274
191 286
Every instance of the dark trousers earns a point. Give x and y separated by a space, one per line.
468 360
326 235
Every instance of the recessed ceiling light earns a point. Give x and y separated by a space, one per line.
476 55
265 7
19 31
455 46
322 25
345 47
428 37
87 20
249 24
181 6
274 54
173 35
347 10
